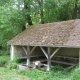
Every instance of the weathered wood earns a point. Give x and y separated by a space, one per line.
67 57
61 62
28 57
24 57
12 52
44 52
54 52
25 50
48 60
60 46
79 58
32 49
72 66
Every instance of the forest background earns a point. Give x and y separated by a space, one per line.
17 15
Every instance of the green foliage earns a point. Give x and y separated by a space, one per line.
4 52
13 14
6 62
11 21
3 60
57 73
13 64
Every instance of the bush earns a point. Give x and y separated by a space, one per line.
3 60
4 52
12 64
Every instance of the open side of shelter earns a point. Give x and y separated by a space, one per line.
49 52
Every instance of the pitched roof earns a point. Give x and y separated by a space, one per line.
65 33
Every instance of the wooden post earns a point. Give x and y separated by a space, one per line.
12 52
79 58
27 51
48 60
28 57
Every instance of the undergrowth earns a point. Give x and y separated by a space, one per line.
9 71
3 60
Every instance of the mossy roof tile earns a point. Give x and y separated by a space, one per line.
64 33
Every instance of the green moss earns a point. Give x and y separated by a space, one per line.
57 32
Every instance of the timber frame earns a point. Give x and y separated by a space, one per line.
47 54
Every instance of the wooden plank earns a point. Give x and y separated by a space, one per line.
54 45
24 57
54 52
61 62
44 52
67 57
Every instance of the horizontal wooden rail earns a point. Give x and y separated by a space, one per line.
61 62
67 57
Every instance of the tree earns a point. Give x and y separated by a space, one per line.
16 15
27 8
75 9
40 2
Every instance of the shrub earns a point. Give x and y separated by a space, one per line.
3 60
12 64
4 52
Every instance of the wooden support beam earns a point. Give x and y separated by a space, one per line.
25 50
12 52
28 57
31 56
48 60
54 52
44 52
32 49
72 66
67 57
79 58
61 62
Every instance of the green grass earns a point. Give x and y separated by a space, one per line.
10 72
4 60
15 74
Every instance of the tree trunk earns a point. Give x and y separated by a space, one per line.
40 2
75 10
23 27
29 20
27 16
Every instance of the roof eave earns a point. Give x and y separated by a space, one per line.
63 46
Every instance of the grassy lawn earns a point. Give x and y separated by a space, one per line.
14 74
57 73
